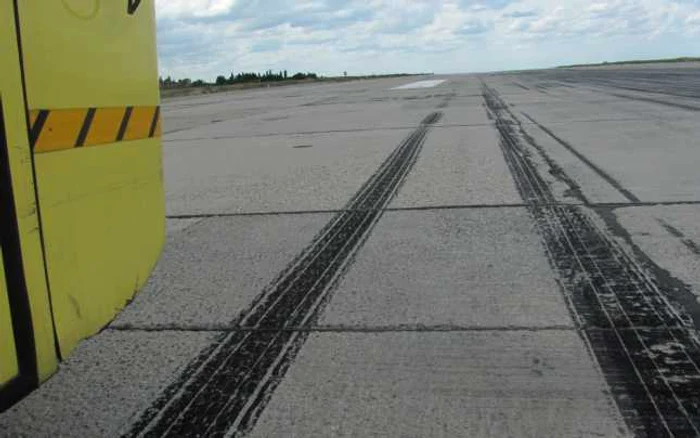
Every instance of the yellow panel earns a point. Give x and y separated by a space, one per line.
103 212
8 355
20 160
88 53
102 207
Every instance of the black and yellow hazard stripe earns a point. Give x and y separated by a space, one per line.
60 129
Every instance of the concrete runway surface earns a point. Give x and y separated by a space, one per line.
508 255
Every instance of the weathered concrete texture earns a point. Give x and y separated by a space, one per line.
182 114
465 109
346 107
211 272
562 104
586 178
481 267
470 384
459 166
645 141
633 153
104 385
268 174
670 235
315 118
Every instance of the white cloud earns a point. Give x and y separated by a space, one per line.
694 19
203 38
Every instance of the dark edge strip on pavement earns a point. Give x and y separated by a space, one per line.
234 380
600 172
647 351
675 232
657 101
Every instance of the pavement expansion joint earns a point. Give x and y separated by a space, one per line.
388 328
374 129
321 132
596 205
346 329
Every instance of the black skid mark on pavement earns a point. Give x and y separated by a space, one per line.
688 243
226 388
631 197
657 101
446 101
647 350
680 293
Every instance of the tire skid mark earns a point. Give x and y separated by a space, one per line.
647 351
656 101
224 390
446 101
688 243
631 197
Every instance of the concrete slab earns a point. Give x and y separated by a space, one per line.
470 384
594 187
575 104
482 267
669 235
271 174
465 111
190 112
302 111
366 111
313 119
459 166
654 164
104 385
211 272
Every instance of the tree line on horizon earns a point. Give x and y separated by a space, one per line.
240 78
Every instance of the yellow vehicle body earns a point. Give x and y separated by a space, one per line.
81 122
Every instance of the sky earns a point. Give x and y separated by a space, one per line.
205 38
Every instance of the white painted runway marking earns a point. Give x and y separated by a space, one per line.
420 84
